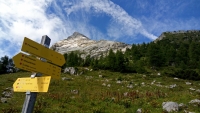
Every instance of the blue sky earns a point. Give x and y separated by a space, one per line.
129 21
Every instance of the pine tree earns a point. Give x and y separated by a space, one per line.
135 52
87 60
65 64
170 55
182 54
5 64
111 60
155 57
120 62
194 55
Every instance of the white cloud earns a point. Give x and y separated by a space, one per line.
59 19
158 26
130 25
27 18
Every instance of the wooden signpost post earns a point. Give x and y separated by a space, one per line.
47 65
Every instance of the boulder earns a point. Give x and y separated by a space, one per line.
130 86
198 90
172 86
4 100
126 94
65 78
153 82
175 78
71 70
192 89
182 106
170 106
195 101
139 110
188 83
8 92
75 91
104 84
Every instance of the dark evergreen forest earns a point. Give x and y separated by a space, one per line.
176 55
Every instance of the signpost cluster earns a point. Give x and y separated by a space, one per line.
40 60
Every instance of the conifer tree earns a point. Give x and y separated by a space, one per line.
120 62
111 60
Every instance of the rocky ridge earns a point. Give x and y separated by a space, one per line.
86 46
163 35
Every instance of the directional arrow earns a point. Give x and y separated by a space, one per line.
30 63
37 84
37 49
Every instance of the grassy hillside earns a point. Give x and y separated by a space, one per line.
103 91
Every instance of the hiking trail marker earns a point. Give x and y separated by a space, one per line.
30 63
47 65
37 84
39 50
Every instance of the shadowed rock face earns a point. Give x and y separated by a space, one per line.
86 46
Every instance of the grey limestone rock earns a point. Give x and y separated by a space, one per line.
67 79
195 101
170 106
139 110
4 100
8 92
71 70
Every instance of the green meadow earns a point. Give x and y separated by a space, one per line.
103 91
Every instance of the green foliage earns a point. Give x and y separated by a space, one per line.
111 60
87 61
155 55
139 66
5 64
181 73
120 62
73 59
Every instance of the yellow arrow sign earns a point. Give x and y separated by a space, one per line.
37 84
37 49
30 63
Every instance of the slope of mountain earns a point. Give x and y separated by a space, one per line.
86 46
180 36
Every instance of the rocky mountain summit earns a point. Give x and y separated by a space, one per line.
85 46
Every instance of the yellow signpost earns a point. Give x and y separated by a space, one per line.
29 63
37 84
32 85
37 49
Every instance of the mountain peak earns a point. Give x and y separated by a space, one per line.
86 46
77 35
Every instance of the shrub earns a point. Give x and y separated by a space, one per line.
181 73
